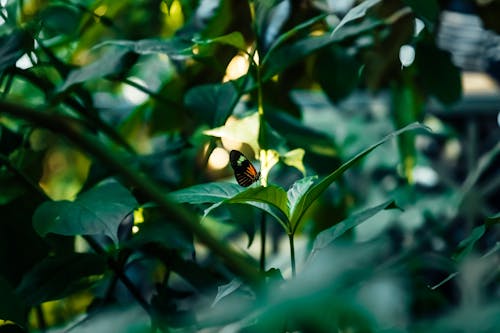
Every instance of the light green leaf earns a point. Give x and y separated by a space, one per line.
98 211
234 38
297 191
294 158
314 192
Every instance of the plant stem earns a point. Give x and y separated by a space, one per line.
263 237
292 254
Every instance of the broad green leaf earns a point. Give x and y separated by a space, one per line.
467 245
355 14
114 61
271 199
314 192
11 307
206 193
326 237
433 63
227 289
234 38
241 130
337 72
212 103
270 17
61 19
297 191
59 276
98 211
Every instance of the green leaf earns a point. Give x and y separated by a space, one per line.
270 17
11 307
234 38
12 47
174 47
60 19
467 245
355 14
98 211
59 276
271 199
314 192
337 73
326 237
206 193
494 219
297 191
112 62
213 103
433 63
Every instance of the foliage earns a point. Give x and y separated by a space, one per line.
115 121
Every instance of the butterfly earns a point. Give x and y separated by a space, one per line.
244 171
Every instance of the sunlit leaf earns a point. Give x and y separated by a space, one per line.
227 289
314 192
297 191
234 38
244 130
98 211
355 13
60 276
295 158
326 237
12 47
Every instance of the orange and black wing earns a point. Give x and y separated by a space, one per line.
244 171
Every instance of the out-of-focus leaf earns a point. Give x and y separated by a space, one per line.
270 16
227 289
98 211
60 19
11 307
206 193
212 102
115 61
467 245
355 14
337 73
174 47
433 63
59 276
12 47
268 158
244 130
234 38
327 236
314 192
494 219
427 10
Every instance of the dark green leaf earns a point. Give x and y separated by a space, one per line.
494 219
314 192
59 276
12 47
213 103
61 19
270 17
433 63
11 307
174 47
113 62
98 211
467 245
326 237
337 73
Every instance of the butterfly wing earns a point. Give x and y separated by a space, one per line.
244 171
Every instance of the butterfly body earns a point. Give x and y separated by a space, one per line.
244 171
